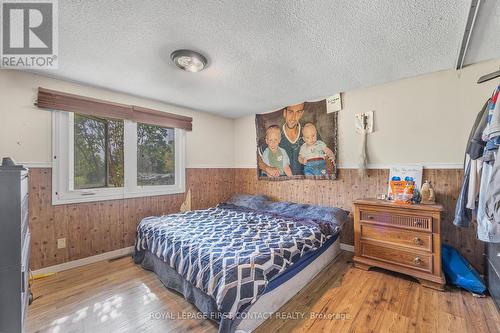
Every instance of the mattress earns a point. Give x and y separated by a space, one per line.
266 304
223 259
273 300
303 262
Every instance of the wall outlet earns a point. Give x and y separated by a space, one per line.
61 243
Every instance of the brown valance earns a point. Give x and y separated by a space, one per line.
52 99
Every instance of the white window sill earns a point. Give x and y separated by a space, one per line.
74 197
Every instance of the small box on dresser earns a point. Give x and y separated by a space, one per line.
401 238
14 248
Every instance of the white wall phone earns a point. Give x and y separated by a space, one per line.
364 122
364 125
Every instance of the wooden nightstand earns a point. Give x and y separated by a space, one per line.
401 238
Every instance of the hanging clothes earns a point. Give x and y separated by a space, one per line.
476 168
463 216
486 230
480 190
488 212
475 144
492 129
473 152
492 202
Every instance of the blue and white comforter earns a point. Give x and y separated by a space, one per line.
230 252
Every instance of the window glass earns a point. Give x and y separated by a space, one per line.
155 155
98 152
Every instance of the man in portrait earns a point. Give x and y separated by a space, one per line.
291 143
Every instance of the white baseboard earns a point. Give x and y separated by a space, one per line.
85 261
346 247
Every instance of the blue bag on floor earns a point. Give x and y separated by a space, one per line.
459 272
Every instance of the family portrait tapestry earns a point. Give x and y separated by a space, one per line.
297 142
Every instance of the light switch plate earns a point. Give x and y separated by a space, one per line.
359 122
61 243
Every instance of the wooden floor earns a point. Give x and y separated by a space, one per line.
119 296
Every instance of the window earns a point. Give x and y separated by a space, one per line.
98 152
155 155
103 159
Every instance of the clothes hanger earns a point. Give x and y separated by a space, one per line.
489 77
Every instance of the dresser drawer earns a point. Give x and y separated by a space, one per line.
411 239
414 222
422 262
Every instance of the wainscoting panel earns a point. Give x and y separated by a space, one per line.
97 227
350 186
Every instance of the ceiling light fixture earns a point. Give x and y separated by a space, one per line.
188 60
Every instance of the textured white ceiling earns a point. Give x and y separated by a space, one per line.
262 54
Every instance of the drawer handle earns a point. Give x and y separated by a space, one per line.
418 223
370 217
417 261
417 241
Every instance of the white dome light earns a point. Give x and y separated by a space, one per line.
188 60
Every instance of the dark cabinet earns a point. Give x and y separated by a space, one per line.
14 248
493 267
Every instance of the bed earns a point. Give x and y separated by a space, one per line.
242 260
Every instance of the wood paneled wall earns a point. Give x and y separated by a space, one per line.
350 186
98 227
